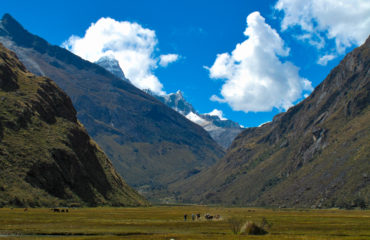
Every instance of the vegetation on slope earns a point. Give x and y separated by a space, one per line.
314 155
46 155
150 144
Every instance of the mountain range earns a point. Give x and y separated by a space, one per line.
314 155
223 131
46 155
150 144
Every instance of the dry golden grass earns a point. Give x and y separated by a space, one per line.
167 223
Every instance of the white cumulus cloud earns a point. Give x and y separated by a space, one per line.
218 113
255 78
166 59
346 22
130 43
325 59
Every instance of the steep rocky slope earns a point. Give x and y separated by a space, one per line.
317 154
149 144
46 156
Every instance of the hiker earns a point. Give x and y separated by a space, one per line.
185 217
193 216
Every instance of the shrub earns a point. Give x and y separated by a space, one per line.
254 229
239 225
236 224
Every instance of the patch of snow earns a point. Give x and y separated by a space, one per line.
196 119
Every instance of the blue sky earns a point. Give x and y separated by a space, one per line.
250 85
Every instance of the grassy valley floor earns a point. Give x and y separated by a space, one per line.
167 222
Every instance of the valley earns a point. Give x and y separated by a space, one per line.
166 222
210 133
149 144
185 120
314 155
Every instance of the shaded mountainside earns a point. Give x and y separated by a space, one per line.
46 156
149 144
317 154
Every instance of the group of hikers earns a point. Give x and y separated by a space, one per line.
197 216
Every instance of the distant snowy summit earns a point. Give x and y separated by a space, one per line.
176 101
111 64
222 130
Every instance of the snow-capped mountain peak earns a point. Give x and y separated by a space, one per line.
222 130
177 102
110 63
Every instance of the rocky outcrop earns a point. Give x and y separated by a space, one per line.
46 156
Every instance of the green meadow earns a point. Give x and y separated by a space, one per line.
167 222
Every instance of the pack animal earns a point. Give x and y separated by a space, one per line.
208 217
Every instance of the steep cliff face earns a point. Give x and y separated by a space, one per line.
46 156
149 144
314 155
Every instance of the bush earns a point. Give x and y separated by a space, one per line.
236 224
254 229
239 225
